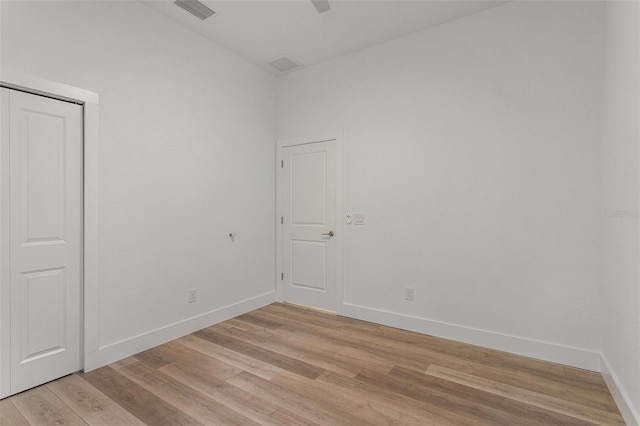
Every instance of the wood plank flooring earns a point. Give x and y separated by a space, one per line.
287 365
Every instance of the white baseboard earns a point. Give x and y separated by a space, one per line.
628 411
131 346
575 357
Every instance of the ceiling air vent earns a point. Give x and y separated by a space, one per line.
195 8
321 5
284 64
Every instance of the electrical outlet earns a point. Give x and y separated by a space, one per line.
192 295
408 293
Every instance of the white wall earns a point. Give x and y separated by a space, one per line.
187 135
473 149
621 191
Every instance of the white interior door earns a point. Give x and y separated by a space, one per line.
45 203
309 224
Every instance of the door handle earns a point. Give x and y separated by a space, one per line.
330 233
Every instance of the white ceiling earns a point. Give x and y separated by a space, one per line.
263 30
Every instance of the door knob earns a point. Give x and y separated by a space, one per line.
330 233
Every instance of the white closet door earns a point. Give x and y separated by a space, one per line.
45 173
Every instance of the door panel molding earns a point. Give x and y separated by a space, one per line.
338 137
90 202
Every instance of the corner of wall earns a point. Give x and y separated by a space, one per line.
627 409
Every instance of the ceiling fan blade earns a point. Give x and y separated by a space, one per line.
321 5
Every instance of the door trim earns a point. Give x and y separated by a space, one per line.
283 143
90 102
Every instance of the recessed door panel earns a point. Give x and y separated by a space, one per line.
309 188
309 264
43 181
43 312
45 202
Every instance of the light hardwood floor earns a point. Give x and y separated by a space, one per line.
286 365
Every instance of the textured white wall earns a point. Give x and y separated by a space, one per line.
473 149
621 191
186 156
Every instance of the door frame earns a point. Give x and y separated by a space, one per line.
90 316
280 145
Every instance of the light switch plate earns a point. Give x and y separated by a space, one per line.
358 218
408 293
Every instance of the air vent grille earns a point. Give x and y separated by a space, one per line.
195 8
321 5
284 64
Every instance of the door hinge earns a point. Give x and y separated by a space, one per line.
282 276
282 164
281 220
